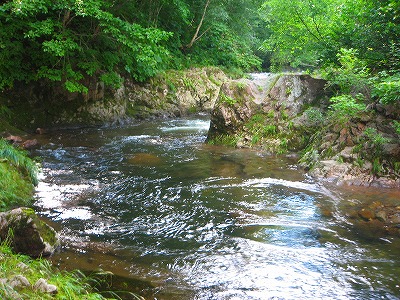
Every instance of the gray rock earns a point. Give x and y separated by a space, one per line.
42 286
23 267
19 282
278 98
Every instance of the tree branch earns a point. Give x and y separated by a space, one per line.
196 35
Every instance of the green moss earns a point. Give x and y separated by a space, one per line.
227 99
17 177
193 110
225 140
188 83
46 232
15 190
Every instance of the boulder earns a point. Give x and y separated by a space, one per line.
42 286
27 233
294 91
264 108
18 282
234 107
30 144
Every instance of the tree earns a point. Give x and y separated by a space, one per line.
196 35
68 40
311 32
300 30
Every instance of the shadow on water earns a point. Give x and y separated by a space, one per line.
174 218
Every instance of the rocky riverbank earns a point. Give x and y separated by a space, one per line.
171 94
286 113
291 113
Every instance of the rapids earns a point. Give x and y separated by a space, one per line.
174 218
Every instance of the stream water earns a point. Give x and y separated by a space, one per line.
174 218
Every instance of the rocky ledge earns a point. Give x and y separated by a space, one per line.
286 113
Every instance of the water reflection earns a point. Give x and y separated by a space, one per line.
154 204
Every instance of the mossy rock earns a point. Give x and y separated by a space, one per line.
27 234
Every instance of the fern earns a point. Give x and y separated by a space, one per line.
19 159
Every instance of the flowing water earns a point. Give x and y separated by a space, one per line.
174 218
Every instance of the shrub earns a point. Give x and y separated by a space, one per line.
386 88
345 107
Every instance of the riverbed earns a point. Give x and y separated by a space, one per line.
175 218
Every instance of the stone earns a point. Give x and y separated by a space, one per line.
30 235
366 214
278 97
24 267
381 216
347 154
391 150
19 282
14 139
30 144
395 219
144 159
42 286
40 130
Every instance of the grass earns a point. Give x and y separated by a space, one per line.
225 140
71 285
18 175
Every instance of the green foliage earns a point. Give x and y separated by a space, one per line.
345 107
227 99
299 30
352 74
241 86
68 40
267 133
222 47
188 83
386 87
310 158
396 126
375 142
371 148
310 33
18 173
225 140
19 160
315 117
14 190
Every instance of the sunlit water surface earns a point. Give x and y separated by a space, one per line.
174 218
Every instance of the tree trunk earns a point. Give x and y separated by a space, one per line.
196 35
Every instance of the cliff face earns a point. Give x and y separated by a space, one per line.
173 93
262 112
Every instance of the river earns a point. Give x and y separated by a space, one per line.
174 218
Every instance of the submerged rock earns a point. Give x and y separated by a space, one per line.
144 159
27 233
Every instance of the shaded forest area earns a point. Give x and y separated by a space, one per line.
67 40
